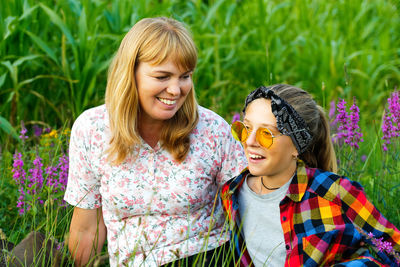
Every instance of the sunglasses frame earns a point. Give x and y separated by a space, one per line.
258 133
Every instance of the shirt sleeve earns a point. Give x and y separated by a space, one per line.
233 159
83 185
370 222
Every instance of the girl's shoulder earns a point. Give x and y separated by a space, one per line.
330 185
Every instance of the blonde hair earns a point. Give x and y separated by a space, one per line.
154 40
320 153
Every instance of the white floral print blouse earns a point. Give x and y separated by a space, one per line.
156 210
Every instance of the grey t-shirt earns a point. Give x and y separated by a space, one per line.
261 225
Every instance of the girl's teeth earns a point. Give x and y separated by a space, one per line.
166 101
255 156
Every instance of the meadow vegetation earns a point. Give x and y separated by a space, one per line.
54 57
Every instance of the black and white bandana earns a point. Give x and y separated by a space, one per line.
289 122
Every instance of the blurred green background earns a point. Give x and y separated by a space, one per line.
54 54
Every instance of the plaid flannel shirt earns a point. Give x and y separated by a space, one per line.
324 218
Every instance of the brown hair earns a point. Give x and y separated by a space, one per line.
320 153
154 40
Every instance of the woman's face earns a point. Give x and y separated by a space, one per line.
277 160
162 89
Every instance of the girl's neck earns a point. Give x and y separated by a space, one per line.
269 183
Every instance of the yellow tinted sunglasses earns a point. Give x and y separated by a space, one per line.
264 136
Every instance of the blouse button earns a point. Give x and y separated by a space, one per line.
284 218
287 247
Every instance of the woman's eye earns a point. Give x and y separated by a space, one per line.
187 76
161 78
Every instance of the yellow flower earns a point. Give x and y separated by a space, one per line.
53 133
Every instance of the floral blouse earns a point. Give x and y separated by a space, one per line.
156 210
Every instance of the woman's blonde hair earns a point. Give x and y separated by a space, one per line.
320 153
153 40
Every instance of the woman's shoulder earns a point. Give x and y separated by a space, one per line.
95 117
208 118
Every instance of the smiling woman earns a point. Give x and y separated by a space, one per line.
146 167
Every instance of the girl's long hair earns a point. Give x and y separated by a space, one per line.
154 40
320 153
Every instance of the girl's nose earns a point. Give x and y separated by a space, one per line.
251 139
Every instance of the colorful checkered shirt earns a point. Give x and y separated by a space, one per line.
326 220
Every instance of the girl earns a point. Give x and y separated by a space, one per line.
289 205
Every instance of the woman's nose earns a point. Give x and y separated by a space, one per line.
174 88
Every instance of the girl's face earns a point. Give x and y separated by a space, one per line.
276 161
162 89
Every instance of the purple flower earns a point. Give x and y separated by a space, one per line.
18 171
363 158
37 131
23 131
332 116
236 117
354 136
341 120
332 109
380 245
348 130
391 120
387 129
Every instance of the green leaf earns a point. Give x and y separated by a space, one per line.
2 79
59 23
42 45
7 127
9 26
23 59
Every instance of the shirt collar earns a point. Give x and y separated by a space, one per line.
299 183
297 187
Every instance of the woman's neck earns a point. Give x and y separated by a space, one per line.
150 131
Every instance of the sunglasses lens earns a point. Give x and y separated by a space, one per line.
264 137
239 131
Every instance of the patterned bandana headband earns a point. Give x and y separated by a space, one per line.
289 122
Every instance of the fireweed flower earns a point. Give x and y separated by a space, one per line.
332 115
380 245
391 120
36 177
23 131
354 136
341 120
394 108
19 176
387 129
31 184
37 131
348 130
236 117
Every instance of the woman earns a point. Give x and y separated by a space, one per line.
287 205
145 168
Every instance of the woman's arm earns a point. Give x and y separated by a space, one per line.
87 234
